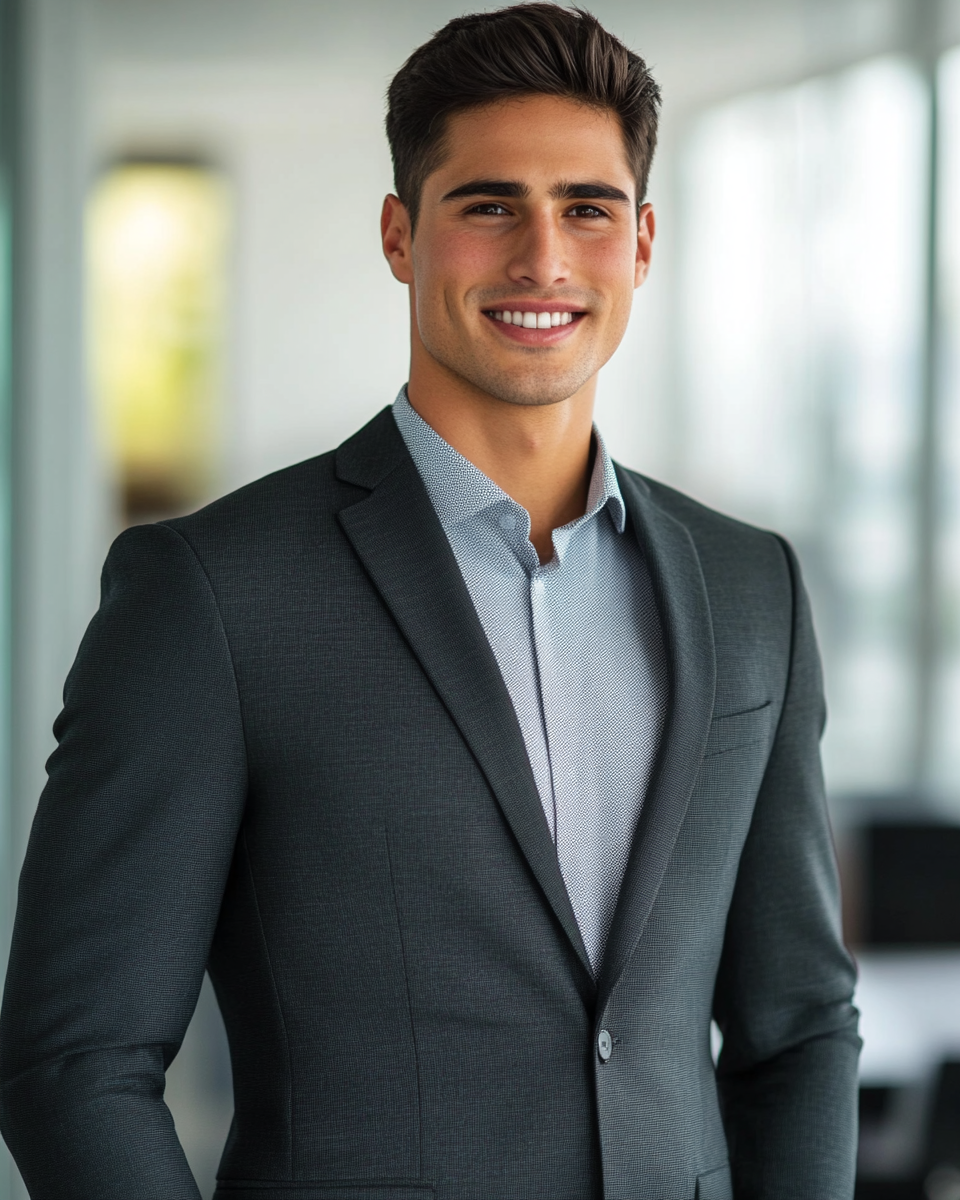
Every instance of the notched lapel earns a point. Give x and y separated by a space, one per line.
681 596
401 543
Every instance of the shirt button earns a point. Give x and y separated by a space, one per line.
508 521
604 1045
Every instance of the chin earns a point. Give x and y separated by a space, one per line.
530 397
532 389
525 386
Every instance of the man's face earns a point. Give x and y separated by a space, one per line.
527 249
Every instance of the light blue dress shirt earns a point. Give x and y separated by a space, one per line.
579 644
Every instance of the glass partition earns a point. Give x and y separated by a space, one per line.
801 332
945 770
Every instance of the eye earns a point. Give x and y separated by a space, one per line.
489 209
590 211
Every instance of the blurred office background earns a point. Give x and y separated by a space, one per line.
192 294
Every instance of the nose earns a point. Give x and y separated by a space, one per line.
538 256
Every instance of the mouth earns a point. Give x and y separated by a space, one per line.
538 326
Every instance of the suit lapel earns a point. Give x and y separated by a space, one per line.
681 597
401 543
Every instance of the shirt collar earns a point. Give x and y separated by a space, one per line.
460 491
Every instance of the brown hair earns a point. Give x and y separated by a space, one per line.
523 50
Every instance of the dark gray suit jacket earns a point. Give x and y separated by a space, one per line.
287 755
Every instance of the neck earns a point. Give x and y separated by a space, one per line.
540 455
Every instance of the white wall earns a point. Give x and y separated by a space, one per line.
317 333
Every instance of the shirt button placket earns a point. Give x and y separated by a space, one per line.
541 645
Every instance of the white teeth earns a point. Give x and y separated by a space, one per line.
531 320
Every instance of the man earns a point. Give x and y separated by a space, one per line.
478 771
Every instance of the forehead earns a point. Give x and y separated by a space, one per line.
537 139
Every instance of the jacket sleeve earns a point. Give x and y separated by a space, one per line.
121 887
788 1067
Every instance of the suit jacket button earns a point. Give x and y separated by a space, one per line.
604 1045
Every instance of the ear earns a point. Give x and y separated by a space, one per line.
397 239
646 228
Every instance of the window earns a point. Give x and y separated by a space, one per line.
945 770
156 243
802 339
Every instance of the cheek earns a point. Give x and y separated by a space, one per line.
610 266
455 263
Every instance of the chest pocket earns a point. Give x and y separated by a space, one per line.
737 730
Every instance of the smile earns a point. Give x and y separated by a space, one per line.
531 320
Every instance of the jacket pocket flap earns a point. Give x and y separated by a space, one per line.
738 729
229 1189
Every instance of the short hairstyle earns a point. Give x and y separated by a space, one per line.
523 50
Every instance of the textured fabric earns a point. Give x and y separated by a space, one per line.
287 752
579 645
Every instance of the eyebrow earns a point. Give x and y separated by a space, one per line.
504 188
591 190
513 189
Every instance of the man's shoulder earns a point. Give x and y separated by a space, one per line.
698 517
723 543
266 518
284 494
